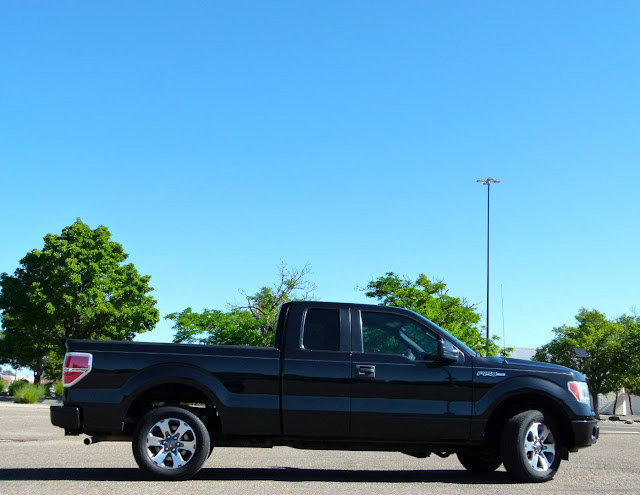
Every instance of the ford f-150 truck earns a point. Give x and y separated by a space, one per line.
339 376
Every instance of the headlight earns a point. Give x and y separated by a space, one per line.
580 391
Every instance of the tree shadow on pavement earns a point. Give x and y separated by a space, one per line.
285 474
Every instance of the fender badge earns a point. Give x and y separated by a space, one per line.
491 374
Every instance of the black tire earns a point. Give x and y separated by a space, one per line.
479 460
171 442
530 447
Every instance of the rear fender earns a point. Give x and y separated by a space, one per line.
178 374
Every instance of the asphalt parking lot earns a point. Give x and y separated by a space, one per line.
37 459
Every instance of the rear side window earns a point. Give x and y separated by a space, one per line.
321 330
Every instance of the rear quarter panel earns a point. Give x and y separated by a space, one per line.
242 382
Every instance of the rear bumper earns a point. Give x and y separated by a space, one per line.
67 417
585 432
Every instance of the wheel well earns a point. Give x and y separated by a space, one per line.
521 403
175 394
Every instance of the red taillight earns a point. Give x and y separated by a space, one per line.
76 366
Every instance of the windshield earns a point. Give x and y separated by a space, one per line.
450 337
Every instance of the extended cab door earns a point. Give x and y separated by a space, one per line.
398 392
316 371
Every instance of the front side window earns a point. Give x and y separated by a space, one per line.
394 334
321 330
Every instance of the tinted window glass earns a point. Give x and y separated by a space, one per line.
394 334
322 330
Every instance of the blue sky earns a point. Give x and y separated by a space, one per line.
215 139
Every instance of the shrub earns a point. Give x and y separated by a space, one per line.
15 385
59 388
28 393
3 386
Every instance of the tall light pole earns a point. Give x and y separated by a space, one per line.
487 182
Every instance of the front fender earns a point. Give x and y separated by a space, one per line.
543 388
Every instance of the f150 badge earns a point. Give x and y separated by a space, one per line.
491 374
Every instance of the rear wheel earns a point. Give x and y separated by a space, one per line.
479 460
530 447
171 442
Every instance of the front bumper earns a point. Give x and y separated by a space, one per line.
585 432
67 417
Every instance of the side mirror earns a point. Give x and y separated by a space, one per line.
448 353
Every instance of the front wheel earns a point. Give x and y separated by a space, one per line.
530 447
171 442
479 460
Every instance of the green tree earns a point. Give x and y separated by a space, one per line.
612 346
431 300
631 374
252 323
235 327
76 287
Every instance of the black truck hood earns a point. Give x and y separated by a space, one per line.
525 364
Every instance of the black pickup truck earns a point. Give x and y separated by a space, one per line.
339 376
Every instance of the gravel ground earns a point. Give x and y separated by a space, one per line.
39 459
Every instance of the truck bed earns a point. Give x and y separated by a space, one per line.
244 379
